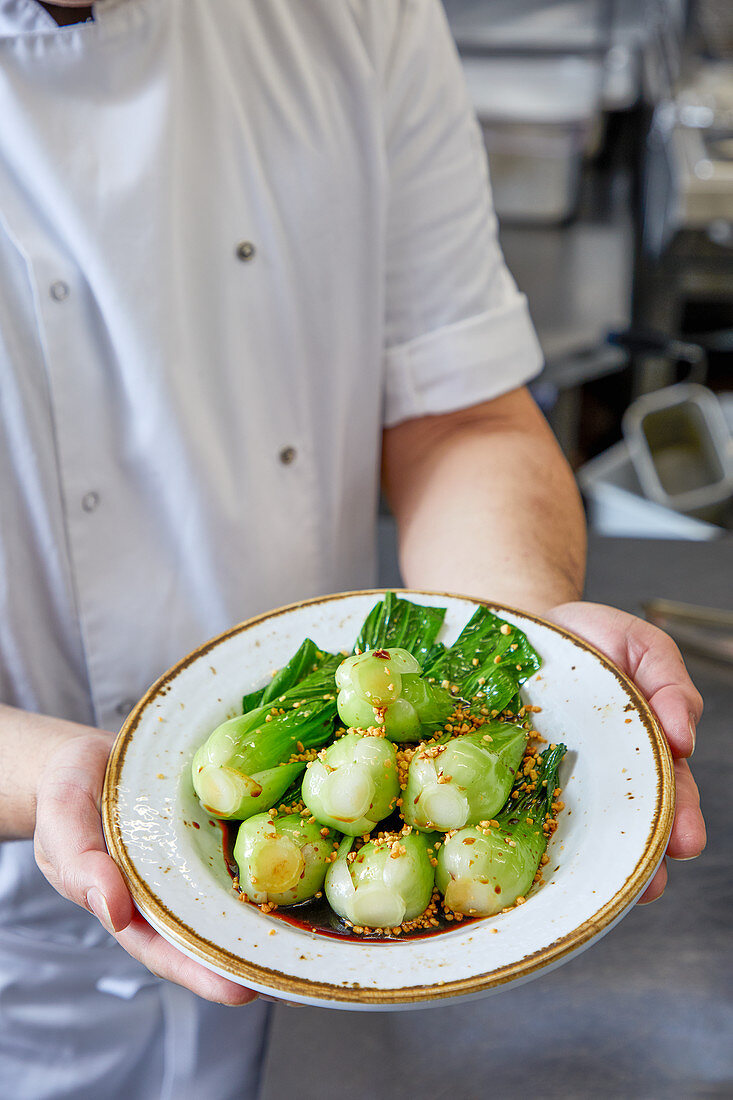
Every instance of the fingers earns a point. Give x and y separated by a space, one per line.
688 837
143 943
655 664
650 658
658 670
69 842
70 851
656 887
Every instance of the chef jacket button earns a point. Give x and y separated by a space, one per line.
59 290
287 455
124 708
245 251
90 501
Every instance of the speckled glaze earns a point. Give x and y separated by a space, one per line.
618 790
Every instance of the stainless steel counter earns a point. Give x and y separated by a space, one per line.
646 1013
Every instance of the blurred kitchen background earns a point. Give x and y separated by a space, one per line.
609 130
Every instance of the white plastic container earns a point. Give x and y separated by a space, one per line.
682 450
617 505
618 508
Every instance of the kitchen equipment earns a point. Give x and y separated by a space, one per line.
690 158
617 506
540 116
681 449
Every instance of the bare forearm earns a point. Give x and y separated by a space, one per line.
27 741
486 505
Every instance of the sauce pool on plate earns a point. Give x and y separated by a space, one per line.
316 915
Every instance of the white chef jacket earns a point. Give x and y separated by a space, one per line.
236 238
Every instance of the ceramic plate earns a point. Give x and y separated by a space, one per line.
618 791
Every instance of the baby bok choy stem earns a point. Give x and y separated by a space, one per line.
384 688
486 868
353 783
465 780
246 765
387 882
282 859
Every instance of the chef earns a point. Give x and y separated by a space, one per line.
247 260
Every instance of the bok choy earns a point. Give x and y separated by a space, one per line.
465 780
484 869
246 765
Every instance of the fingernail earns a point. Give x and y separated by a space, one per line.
693 734
98 905
650 901
683 859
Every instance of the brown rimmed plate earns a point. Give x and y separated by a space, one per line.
618 790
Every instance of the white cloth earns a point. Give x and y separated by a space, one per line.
236 237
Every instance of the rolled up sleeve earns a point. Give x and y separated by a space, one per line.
457 330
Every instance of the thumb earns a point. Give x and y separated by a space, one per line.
68 839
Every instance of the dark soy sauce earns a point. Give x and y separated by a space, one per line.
316 915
